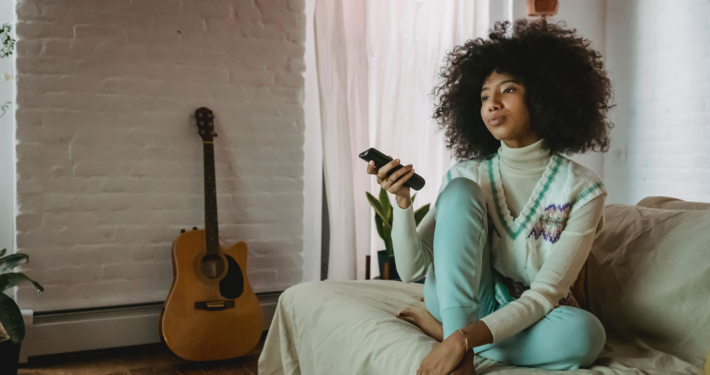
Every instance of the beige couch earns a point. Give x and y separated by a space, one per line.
647 279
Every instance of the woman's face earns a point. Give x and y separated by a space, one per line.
504 111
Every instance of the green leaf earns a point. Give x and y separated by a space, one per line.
373 201
378 208
8 42
386 207
3 252
8 280
11 319
378 224
11 261
388 243
414 196
420 213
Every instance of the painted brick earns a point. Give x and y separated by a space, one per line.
109 161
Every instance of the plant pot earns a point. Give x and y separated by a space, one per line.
9 357
382 259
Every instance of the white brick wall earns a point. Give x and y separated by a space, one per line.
658 55
109 164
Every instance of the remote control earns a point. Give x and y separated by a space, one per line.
415 182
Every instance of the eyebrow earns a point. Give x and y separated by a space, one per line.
509 80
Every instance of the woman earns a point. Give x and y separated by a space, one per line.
514 219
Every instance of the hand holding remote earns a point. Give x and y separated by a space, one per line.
394 182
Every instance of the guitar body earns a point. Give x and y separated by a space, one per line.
211 312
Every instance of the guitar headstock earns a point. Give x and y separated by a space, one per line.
205 123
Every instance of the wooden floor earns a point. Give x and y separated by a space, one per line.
137 360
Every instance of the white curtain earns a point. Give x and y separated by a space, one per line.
377 64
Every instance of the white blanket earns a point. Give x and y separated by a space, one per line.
648 280
349 327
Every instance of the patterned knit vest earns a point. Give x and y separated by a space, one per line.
520 246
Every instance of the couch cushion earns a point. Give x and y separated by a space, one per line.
670 203
648 277
579 288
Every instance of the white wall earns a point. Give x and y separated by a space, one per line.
659 54
109 164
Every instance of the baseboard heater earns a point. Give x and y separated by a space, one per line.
54 332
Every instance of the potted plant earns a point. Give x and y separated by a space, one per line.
12 327
383 221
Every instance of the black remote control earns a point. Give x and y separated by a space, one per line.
415 182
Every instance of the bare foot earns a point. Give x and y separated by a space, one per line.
423 319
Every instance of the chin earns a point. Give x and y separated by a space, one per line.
497 132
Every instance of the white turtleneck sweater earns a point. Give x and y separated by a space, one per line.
520 169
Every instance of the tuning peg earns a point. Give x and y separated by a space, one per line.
215 134
182 231
194 228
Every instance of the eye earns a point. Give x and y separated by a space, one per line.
483 98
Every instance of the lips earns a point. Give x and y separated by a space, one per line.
496 120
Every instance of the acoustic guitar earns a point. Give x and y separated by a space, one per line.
211 312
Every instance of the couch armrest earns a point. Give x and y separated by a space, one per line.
670 203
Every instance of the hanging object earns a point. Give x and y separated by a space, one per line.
543 8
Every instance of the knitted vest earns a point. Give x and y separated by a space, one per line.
520 247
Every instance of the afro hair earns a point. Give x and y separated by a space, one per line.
567 89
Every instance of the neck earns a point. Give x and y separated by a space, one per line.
211 224
525 158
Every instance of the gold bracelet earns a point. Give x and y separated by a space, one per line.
464 337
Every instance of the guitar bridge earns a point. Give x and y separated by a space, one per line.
214 305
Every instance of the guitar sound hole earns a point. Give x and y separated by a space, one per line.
212 266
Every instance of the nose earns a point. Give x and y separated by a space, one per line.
494 102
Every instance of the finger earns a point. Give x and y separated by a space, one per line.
401 172
382 172
394 178
397 185
385 169
371 167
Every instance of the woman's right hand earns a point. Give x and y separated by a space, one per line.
395 182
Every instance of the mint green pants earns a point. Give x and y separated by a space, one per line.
459 288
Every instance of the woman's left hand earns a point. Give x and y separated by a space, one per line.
466 366
444 357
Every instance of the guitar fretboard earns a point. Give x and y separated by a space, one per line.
211 224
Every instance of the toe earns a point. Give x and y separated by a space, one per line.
405 312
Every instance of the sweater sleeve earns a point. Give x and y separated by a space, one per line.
556 276
412 245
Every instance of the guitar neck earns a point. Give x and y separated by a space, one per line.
211 224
